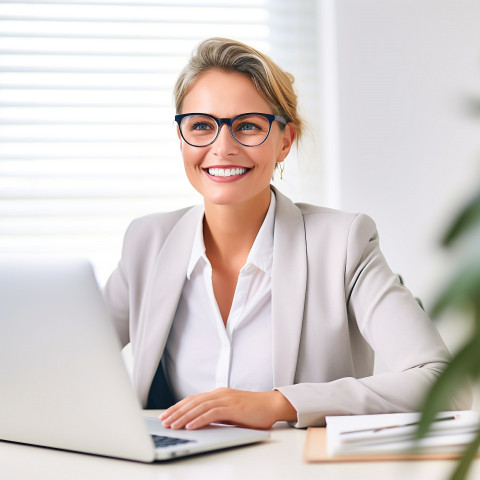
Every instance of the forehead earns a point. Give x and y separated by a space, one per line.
224 94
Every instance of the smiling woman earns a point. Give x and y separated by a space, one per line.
251 309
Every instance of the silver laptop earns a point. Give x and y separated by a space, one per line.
63 382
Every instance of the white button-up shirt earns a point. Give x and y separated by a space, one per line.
202 353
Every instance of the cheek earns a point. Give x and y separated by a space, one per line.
191 156
267 158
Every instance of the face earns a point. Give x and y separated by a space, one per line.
250 169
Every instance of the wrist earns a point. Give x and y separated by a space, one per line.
284 410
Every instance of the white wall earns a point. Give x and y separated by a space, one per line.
399 144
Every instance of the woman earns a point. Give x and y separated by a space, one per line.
251 309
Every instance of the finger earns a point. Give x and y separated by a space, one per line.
186 412
194 413
213 415
171 410
202 409
174 409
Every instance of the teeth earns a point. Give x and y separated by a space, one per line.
226 172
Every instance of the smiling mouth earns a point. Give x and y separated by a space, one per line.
226 172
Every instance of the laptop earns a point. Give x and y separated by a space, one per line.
63 381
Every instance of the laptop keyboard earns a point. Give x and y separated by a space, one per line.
162 441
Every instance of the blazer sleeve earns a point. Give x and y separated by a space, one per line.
398 330
125 290
116 294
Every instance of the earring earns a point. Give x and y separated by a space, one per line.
281 167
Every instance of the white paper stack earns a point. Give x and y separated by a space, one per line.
451 432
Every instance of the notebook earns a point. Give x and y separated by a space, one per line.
390 437
62 378
450 432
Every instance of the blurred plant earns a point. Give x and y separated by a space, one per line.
462 293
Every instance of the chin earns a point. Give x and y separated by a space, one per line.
222 200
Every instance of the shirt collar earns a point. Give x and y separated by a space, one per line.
198 248
261 253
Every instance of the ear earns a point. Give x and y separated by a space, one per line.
289 135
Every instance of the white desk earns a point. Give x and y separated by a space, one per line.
279 458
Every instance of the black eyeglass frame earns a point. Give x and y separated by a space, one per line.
229 121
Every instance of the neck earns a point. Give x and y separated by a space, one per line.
230 230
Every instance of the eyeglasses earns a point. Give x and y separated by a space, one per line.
248 129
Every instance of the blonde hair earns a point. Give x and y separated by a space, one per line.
273 83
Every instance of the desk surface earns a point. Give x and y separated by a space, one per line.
279 458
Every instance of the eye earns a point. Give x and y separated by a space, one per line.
202 125
248 126
251 124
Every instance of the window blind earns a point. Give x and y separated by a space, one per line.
87 138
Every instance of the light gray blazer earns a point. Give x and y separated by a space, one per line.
335 302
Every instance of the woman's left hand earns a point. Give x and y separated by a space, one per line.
225 405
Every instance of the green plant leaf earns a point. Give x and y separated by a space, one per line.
466 460
464 366
466 220
463 290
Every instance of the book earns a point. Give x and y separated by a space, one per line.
395 433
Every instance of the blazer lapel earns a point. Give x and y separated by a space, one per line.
289 276
162 294
289 281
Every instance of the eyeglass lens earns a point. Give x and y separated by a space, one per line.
249 129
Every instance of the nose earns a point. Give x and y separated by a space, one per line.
225 143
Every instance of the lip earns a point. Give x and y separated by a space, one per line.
231 178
